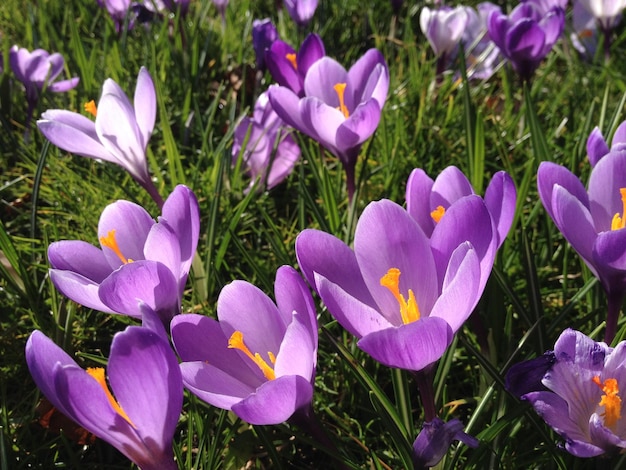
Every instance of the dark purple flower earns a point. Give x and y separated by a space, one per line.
301 11
593 221
140 260
119 134
264 34
340 110
138 414
401 293
580 394
527 35
289 67
270 152
435 439
259 359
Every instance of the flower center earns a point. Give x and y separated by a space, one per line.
340 89
91 108
438 213
292 60
98 374
618 221
610 400
236 342
110 242
408 309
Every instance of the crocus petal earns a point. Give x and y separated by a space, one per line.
549 175
412 346
281 69
297 351
79 289
275 401
64 85
145 106
418 189
311 50
358 127
596 146
450 186
293 295
163 246
610 250
500 199
80 257
369 77
323 75
435 439
320 122
605 182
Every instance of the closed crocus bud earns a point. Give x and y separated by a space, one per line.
264 34
301 11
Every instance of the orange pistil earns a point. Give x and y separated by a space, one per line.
110 242
98 374
292 60
236 342
409 310
340 89
91 108
610 400
618 221
438 213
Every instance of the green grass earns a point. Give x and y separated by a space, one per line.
206 81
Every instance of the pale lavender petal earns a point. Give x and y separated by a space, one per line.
323 75
64 85
368 78
549 175
298 350
358 127
293 295
145 106
596 146
450 186
78 288
80 257
163 246
418 189
500 199
605 182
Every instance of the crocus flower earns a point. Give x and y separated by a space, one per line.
592 221
120 133
221 6
289 67
527 35
579 393
38 71
444 28
264 34
121 13
482 56
584 36
138 414
607 13
259 359
340 109
301 11
140 259
270 152
401 293
597 146
435 439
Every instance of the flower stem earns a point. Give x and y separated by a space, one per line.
614 307
424 379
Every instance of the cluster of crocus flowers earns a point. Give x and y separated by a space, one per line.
119 134
258 359
138 414
140 260
265 145
592 220
340 109
577 390
527 35
38 71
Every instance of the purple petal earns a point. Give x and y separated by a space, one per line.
282 69
323 75
418 189
605 200
450 186
311 50
64 85
500 199
369 78
609 250
297 354
435 439
145 105
358 127
293 295
525 40
79 289
79 257
549 175
596 146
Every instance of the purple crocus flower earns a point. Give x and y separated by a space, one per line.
121 12
259 359
120 133
579 393
401 293
435 439
221 6
38 71
270 152
301 11
340 109
597 147
264 34
607 13
289 67
592 221
140 259
482 56
584 36
527 35
444 28
139 414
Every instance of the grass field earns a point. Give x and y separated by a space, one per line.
206 82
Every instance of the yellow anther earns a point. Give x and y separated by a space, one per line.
91 108
236 342
340 89
110 242
438 213
292 60
610 400
98 374
618 221
409 310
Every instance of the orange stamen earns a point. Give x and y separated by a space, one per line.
292 60
409 310
98 374
236 342
340 89
610 400
91 108
438 213
110 242
618 221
